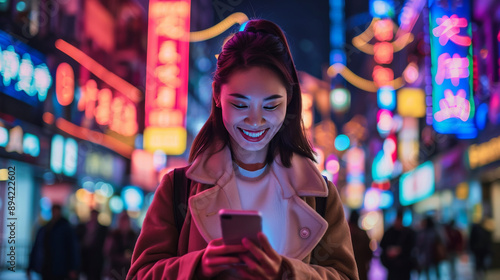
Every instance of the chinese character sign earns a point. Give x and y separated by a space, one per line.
24 74
452 76
167 76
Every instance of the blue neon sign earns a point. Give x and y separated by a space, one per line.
24 74
451 52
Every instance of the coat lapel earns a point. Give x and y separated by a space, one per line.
305 226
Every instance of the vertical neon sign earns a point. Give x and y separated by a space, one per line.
167 76
452 74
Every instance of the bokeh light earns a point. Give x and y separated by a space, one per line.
342 142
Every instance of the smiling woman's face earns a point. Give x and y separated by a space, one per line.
253 106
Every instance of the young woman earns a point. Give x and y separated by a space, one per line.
251 154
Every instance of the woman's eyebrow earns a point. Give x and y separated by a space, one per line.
241 96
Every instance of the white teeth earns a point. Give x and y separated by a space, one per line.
251 134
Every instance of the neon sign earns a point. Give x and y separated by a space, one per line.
65 84
451 53
63 155
15 140
117 112
23 72
166 83
483 154
417 185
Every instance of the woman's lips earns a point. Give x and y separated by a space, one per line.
253 135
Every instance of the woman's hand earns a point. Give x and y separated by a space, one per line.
264 262
219 257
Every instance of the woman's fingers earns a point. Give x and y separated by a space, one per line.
266 246
219 257
267 261
219 261
261 257
254 267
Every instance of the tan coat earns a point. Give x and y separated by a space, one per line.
324 253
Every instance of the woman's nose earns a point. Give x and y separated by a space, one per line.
255 117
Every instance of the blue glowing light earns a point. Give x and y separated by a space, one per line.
386 98
407 218
418 184
88 185
31 145
70 157
386 199
21 6
475 193
382 166
382 8
45 203
482 116
56 153
4 137
116 204
133 198
342 142
242 27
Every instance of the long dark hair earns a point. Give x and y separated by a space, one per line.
262 43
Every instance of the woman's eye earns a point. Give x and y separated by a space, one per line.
271 107
238 106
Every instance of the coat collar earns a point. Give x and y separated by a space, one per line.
302 179
215 167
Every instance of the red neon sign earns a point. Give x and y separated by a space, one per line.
167 76
65 84
119 114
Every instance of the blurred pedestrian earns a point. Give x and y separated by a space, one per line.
91 236
55 254
361 246
480 242
430 248
454 246
397 246
119 247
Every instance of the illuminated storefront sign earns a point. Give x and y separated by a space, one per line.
23 72
63 155
485 153
167 81
417 185
114 111
100 164
16 141
65 84
452 76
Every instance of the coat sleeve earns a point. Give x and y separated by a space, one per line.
333 257
155 253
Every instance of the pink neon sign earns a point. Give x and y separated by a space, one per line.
453 106
167 75
449 28
454 68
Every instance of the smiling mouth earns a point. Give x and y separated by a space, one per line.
253 136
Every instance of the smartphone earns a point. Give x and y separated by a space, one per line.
237 224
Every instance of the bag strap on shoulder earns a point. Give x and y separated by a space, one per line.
182 187
321 202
